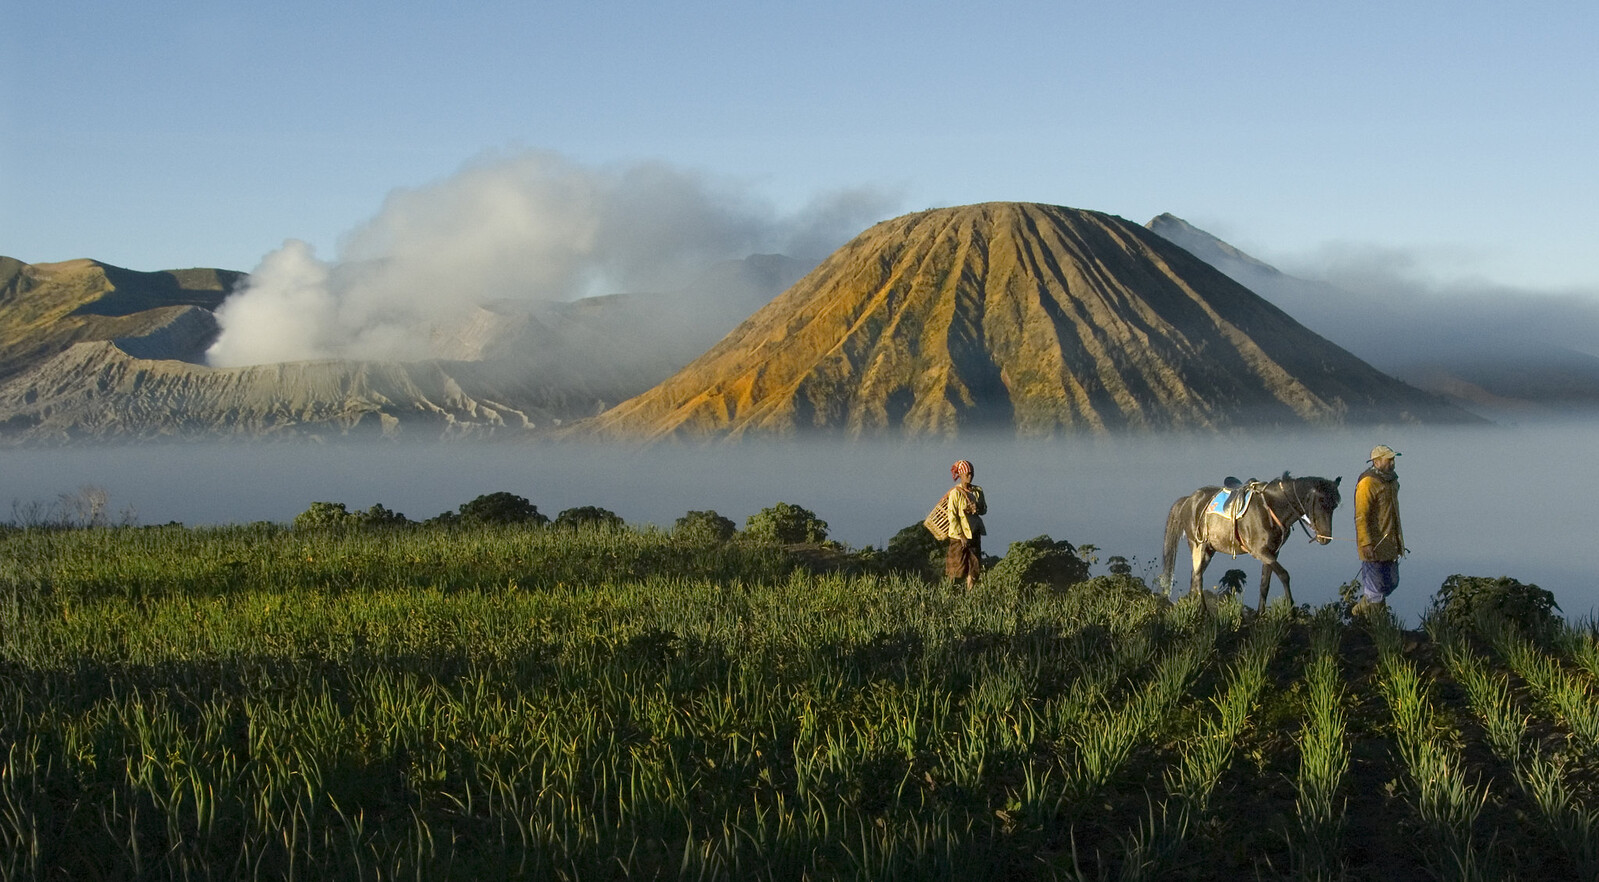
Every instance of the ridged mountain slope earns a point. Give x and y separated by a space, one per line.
97 391
93 352
1030 319
47 307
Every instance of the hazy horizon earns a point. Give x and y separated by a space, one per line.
1487 501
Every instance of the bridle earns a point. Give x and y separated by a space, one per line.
1304 512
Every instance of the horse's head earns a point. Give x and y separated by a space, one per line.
1320 497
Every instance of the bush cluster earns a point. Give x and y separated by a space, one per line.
588 516
334 516
704 526
1041 560
500 508
915 550
786 524
1461 599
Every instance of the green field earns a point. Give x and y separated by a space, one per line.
481 702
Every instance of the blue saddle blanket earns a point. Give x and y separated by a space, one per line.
1219 503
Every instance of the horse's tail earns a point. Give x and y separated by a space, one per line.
1174 531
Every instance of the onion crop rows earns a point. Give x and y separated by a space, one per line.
1569 694
1207 751
1447 803
1323 758
1540 774
260 703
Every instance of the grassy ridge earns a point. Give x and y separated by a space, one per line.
485 703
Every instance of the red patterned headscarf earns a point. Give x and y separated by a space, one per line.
958 468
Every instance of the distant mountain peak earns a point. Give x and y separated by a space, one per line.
1019 317
1203 245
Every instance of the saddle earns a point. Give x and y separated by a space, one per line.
1233 499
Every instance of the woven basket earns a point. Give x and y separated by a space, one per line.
937 520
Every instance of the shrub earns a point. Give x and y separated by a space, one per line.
704 526
588 516
1349 594
1041 560
379 516
1131 590
501 508
1233 581
334 516
1462 598
786 524
915 550
324 516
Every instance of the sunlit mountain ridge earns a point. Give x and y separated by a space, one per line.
1011 318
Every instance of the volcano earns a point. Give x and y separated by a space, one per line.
97 353
1017 318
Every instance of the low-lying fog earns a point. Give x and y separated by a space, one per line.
1487 502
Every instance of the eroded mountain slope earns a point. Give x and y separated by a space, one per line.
1031 319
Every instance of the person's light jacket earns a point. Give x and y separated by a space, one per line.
961 524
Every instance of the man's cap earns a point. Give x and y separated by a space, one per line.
1382 451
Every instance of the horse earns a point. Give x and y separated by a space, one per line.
1261 530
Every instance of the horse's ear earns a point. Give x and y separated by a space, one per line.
1338 480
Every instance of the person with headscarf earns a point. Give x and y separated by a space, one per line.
964 507
1377 532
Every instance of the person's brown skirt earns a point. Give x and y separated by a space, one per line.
965 558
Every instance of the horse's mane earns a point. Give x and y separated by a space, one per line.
1286 480
1279 483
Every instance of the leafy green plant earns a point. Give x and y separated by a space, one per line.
324 516
786 524
1323 758
588 516
380 516
1543 777
1461 599
1233 581
501 508
1568 693
1447 804
915 550
1349 594
334 516
704 526
1040 560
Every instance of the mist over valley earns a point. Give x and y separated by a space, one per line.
1487 501
1094 369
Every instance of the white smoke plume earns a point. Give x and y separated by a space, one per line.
530 226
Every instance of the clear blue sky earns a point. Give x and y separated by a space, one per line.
1464 134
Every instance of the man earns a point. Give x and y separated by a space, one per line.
965 506
1377 529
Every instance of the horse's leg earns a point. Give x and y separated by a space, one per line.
1202 555
1269 565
